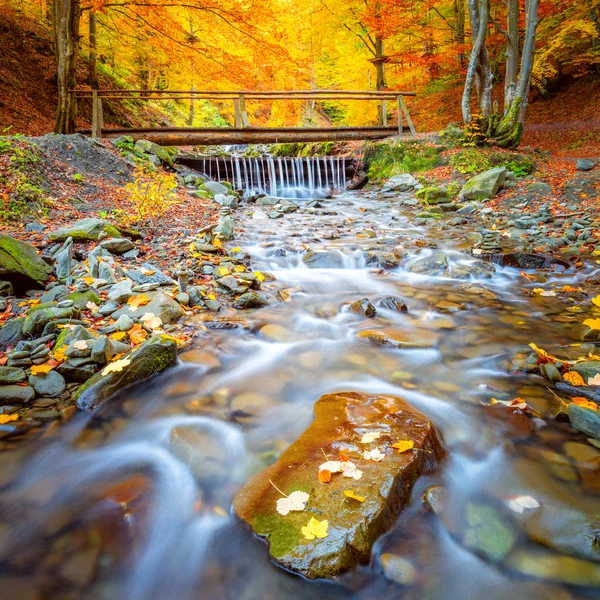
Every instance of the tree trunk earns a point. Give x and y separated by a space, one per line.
459 29
510 129
65 17
478 71
380 65
191 115
93 57
512 53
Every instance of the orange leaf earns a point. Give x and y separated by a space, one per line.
574 378
137 334
41 369
324 476
136 301
585 403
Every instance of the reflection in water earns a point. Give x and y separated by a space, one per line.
135 502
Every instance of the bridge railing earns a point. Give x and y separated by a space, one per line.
239 99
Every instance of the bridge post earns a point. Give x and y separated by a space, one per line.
238 116
97 115
383 114
404 108
243 113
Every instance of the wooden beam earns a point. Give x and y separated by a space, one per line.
96 132
407 114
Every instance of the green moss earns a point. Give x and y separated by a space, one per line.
283 537
80 299
386 159
428 215
432 195
111 231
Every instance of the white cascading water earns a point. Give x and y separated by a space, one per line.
280 177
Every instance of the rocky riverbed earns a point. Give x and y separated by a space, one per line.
491 342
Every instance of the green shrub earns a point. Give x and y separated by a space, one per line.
384 160
470 161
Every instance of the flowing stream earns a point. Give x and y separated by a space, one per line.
117 506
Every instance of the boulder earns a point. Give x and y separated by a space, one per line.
250 300
146 360
585 165
436 264
15 394
21 265
323 259
37 317
151 148
84 229
117 245
161 305
485 185
353 526
11 332
401 183
585 419
50 384
214 188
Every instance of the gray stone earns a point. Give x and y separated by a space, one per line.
106 272
117 245
225 227
233 284
393 303
50 384
157 276
160 305
250 300
436 264
10 375
585 165
215 188
102 350
401 183
120 292
16 394
11 332
146 360
585 419
363 307
154 149
84 229
39 316
21 265
323 259
183 298
6 289
485 185
64 258
124 322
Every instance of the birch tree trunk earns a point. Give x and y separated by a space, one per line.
93 58
512 53
65 19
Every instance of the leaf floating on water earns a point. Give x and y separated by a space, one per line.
375 455
136 301
585 403
543 292
351 494
8 418
574 378
295 501
595 380
403 445
349 469
333 466
592 323
370 437
41 369
521 503
116 367
315 529
542 353
324 476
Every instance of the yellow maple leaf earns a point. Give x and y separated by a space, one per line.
403 445
137 334
89 280
41 369
59 354
117 336
542 353
585 403
136 301
351 494
259 276
222 271
592 323
217 243
8 418
239 269
315 529
234 250
574 378
596 301
211 297
116 366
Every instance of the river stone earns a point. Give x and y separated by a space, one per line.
50 385
117 245
81 299
38 316
485 185
154 149
476 269
587 369
323 259
250 300
156 276
584 164
232 283
21 265
585 419
161 305
10 375
146 360
528 260
400 338
120 292
340 421
225 227
15 394
398 569
401 183
84 229
214 187
363 307
393 303
436 264
11 332
276 333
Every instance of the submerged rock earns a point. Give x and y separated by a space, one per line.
585 419
528 260
323 259
436 264
363 307
400 338
340 421
146 360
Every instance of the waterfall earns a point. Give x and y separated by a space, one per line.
314 176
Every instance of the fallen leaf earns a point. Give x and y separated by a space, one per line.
92 306
520 503
333 466
116 366
403 445
370 437
585 403
351 494
592 323
59 354
136 301
41 369
137 334
259 276
543 292
80 345
239 269
477 251
89 280
151 321
118 336
315 529
595 380
375 455
221 271
147 272
542 353
574 378
8 418
596 301
295 501
217 243
349 469
324 476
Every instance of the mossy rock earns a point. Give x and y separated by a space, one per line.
432 195
80 299
146 360
11 332
353 527
21 265
37 317
112 231
83 230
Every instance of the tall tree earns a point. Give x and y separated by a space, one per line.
65 17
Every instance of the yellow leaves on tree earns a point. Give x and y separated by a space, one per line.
41 369
315 529
4 419
574 378
151 194
136 301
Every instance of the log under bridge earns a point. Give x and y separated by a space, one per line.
243 132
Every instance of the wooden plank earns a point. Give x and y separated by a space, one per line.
407 114
95 115
244 115
236 110
391 93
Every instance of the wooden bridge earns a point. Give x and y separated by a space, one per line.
243 132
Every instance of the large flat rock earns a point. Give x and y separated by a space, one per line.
340 422
21 265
